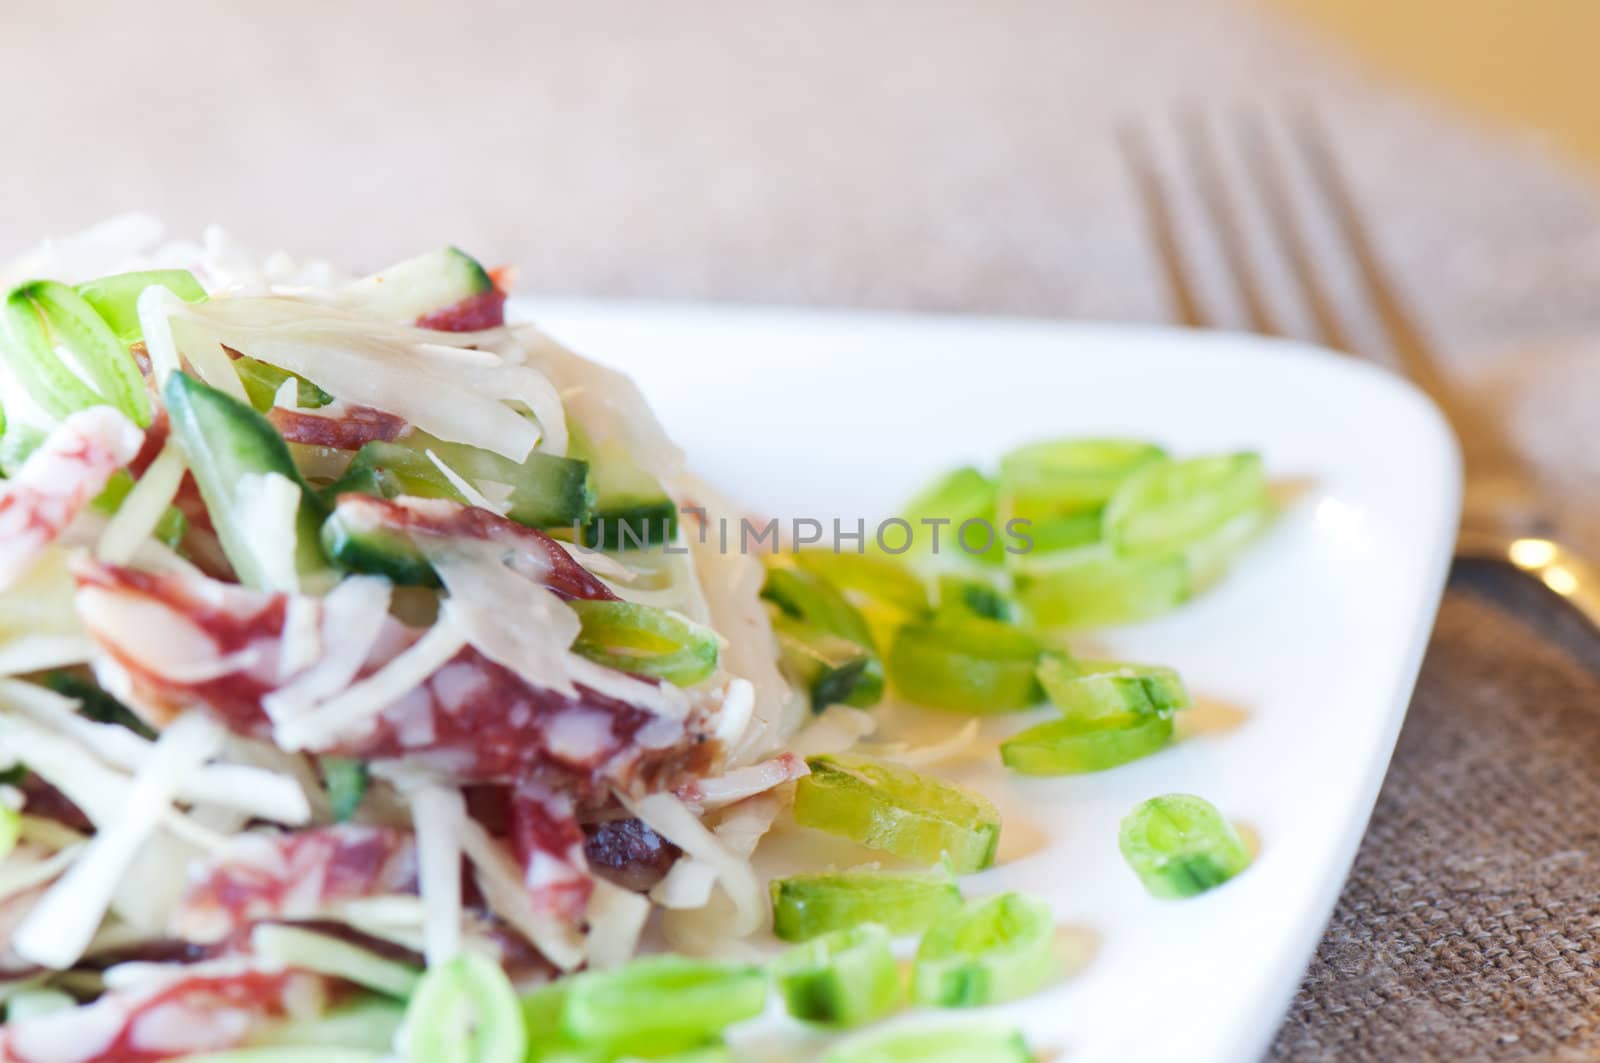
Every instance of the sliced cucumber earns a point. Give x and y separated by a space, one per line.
994 950
1170 505
1092 689
974 1043
410 290
967 664
962 598
868 578
804 906
228 445
1078 746
844 978
116 298
938 511
546 491
896 810
1069 476
357 540
645 640
832 669
262 381
827 643
1180 845
630 509
1094 587
661 1004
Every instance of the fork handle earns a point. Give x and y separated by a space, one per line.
1575 578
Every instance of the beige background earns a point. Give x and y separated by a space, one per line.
943 156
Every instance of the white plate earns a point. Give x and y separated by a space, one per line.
1306 656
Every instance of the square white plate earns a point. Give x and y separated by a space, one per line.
1303 659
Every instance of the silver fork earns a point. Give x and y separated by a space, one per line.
1503 519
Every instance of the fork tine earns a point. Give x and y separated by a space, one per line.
1267 174
1163 229
1416 358
1202 156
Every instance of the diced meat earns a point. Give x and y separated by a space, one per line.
475 313
293 876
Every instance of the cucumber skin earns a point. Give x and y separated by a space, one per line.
632 525
417 287
376 552
224 440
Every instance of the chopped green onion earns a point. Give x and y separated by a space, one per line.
1052 535
41 315
309 950
994 950
1087 690
370 1024
964 598
116 298
1077 745
804 906
843 978
937 513
971 665
868 578
1180 845
1172 504
1069 476
346 780
832 669
976 1043
1093 587
262 382
661 1004
32 1003
895 810
464 1012
806 596
646 641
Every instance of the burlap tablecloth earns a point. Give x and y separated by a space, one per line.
943 156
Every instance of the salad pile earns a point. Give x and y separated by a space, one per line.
366 692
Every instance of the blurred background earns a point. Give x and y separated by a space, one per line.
951 155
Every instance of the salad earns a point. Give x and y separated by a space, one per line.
370 688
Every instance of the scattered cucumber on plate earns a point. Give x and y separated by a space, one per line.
996 949
804 906
898 811
1180 845
843 978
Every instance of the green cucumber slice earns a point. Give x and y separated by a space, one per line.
938 511
1180 845
968 665
464 1011
833 670
867 578
1170 505
419 286
228 445
631 510
357 541
42 315
896 810
661 1004
346 781
804 906
1066 477
994 950
1077 746
1094 587
843 978
973 1043
262 381
645 640
116 298
1093 689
